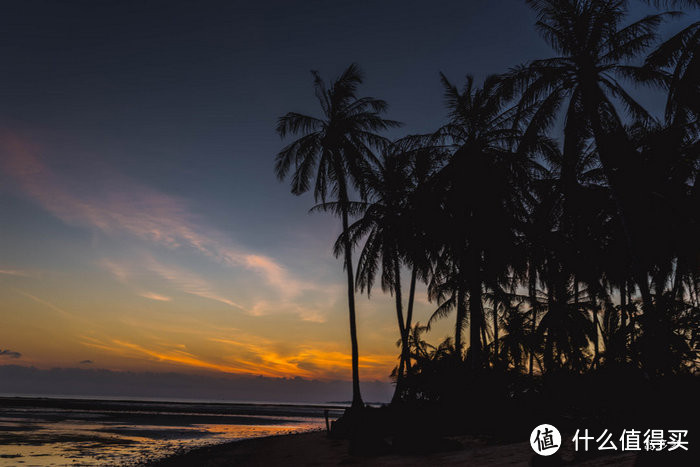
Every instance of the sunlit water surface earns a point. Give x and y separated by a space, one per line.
54 432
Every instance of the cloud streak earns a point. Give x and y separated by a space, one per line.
117 206
159 231
14 272
46 303
189 282
155 296
180 279
9 353
252 356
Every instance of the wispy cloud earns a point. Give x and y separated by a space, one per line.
9 353
252 356
173 355
188 282
46 303
117 206
304 311
155 296
313 359
130 272
14 272
180 279
161 230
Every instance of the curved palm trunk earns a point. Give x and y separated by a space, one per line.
409 314
532 293
405 362
475 324
613 148
596 347
623 324
461 314
484 339
402 329
495 333
548 357
356 396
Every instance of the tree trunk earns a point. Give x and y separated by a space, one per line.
532 293
356 395
461 313
402 329
623 324
495 332
615 149
613 145
632 316
548 357
409 313
596 350
484 340
475 324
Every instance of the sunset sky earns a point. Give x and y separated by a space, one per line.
141 224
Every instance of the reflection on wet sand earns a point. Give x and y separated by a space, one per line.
46 432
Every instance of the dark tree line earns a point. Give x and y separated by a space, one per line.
553 251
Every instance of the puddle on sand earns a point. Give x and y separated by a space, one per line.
36 439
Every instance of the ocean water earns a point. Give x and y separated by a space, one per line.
54 431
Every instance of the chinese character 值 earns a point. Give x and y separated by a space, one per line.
545 440
630 440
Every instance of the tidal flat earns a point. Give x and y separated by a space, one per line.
57 431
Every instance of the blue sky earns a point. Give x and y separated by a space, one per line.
143 227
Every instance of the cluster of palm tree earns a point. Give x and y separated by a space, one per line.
552 213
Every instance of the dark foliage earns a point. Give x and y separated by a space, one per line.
572 259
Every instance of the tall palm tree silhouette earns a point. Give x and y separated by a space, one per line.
335 152
676 64
593 47
481 186
394 225
383 225
596 231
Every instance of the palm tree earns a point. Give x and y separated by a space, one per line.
669 160
593 47
335 152
676 64
383 226
675 3
481 189
424 160
512 347
393 230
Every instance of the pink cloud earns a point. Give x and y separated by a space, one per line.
188 282
155 296
116 205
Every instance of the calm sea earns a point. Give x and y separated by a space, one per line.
81 431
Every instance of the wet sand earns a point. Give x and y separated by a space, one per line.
317 449
52 431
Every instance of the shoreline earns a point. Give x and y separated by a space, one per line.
68 399
317 448
52 431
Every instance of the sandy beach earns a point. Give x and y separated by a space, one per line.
61 431
317 449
